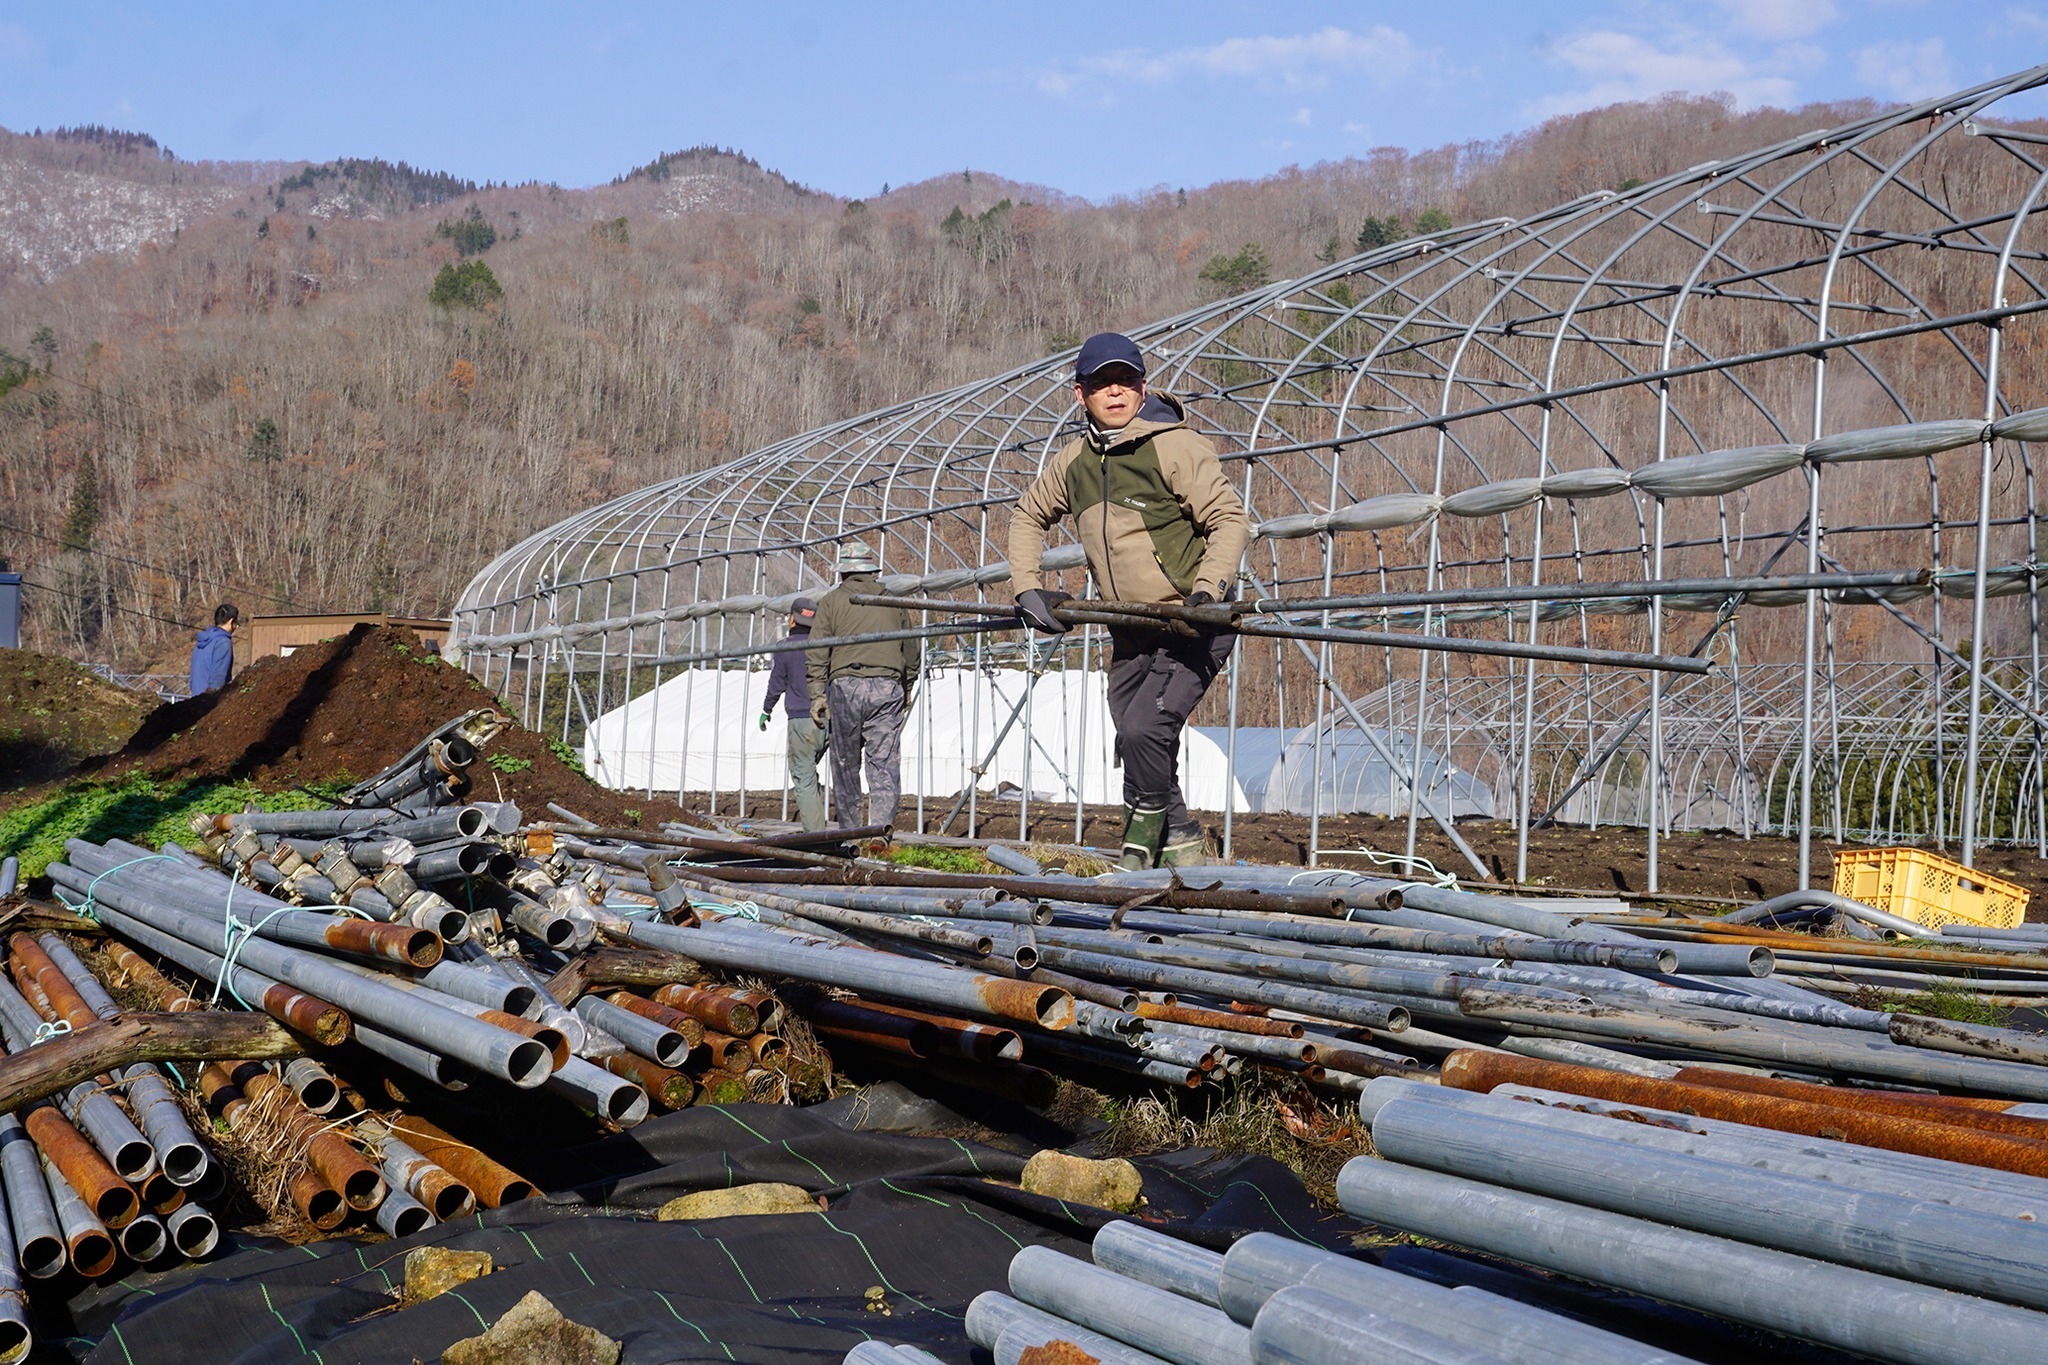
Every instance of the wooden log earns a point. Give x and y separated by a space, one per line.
192 1036
603 967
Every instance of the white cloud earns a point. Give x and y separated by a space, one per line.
2026 19
1626 66
1357 129
1304 116
1906 71
1295 62
1775 20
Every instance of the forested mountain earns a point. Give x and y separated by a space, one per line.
348 385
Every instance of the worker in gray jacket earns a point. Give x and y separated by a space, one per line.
789 683
861 692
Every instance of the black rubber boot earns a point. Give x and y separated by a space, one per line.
1185 846
1144 829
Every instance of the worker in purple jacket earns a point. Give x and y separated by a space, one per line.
807 741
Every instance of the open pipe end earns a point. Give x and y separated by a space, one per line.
768 1048
558 932
1397 1019
528 1063
319 1094
184 1163
626 1105
134 1161
1762 962
196 1234
319 1202
144 1240
671 1049
410 1219
450 924
41 1256
1667 961
116 1205
422 947
160 1195
1392 898
1026 957
92 1254
523 1001
325 1024
471 822
512 1191
447 1198
363 1189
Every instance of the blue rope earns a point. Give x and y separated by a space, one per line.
89 907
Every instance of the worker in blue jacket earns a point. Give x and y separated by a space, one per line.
788 683
213 653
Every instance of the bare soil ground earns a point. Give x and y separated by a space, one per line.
54 714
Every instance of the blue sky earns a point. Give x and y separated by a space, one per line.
1091 99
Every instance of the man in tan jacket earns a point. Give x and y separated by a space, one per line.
1159 523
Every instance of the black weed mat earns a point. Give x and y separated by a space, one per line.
915 1216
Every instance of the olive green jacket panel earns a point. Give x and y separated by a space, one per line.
1151 508
878 658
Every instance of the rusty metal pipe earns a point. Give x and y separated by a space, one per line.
1897 1104
667 1016
159 1195
109 1197
912 982
1482 1071
86 1239
1227 1020
493 1183
669 1088
317 1201
338 1163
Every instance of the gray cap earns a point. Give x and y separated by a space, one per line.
857 557
804 610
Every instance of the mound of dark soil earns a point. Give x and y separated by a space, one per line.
55 714
338 711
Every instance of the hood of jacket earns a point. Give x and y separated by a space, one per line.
1160 411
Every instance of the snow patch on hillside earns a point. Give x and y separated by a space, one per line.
51 219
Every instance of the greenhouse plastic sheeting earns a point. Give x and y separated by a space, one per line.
700 730
1357 780
920 1218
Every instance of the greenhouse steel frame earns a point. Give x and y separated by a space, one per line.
1752 366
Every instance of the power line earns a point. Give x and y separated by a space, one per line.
145 564
109 606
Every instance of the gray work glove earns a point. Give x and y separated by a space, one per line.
819 711
1035 606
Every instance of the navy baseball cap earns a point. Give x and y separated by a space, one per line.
1108 348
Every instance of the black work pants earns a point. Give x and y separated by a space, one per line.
1155 681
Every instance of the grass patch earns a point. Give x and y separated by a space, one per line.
940 859
1948 1002
135 808
1252 1115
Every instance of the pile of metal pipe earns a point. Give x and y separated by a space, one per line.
1857 1247
1151 1297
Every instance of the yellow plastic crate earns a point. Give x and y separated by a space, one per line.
1928 888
